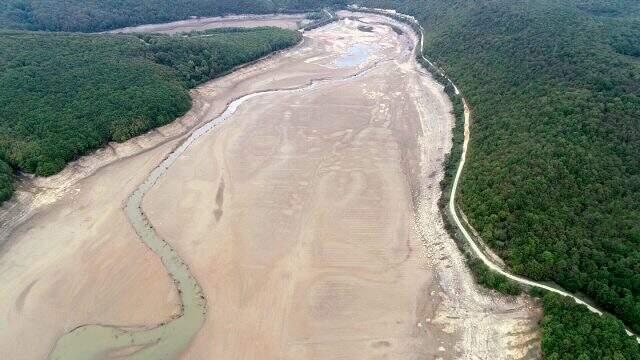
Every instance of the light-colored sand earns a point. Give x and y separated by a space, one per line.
294 21
298 218
78 261
309 219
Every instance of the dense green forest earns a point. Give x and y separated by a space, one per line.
98 15
6 181
553 177
595 337
66 94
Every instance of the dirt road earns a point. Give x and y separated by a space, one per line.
309 219
484 254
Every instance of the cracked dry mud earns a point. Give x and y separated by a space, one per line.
309 219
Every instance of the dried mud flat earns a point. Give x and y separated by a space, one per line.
310 220
293 21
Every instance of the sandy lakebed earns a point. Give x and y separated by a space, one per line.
308 217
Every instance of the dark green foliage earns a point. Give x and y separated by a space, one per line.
99 15
552 180
571 332
292 5
203 55
317 15
6 181
452 159
64 95
491 279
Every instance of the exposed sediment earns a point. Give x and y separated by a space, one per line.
325 240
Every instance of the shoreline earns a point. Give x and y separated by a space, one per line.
32 193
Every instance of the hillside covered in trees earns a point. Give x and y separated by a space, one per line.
66 94
99 15
553 177
595 337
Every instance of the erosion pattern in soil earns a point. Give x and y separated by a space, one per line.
308 217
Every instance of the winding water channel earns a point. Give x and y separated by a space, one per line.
167 340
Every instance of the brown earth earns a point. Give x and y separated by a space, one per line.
78 261
310 220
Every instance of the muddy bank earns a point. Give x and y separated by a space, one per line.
78 211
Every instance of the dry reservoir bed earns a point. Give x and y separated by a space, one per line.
293 21
309 219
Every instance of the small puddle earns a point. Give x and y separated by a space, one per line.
356 55
167 340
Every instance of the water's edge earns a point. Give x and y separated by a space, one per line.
451 207
169 339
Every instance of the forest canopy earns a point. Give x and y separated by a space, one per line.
99 15
552 181
66 94
570 331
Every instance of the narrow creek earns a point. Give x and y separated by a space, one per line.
168 339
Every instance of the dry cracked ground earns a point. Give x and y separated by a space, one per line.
309 218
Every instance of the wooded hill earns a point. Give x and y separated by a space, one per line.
99 15
571 332
552 181
64 95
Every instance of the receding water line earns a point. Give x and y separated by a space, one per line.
167 340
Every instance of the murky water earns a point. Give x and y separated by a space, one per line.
170 339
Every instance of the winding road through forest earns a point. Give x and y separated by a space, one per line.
454 188
476 249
